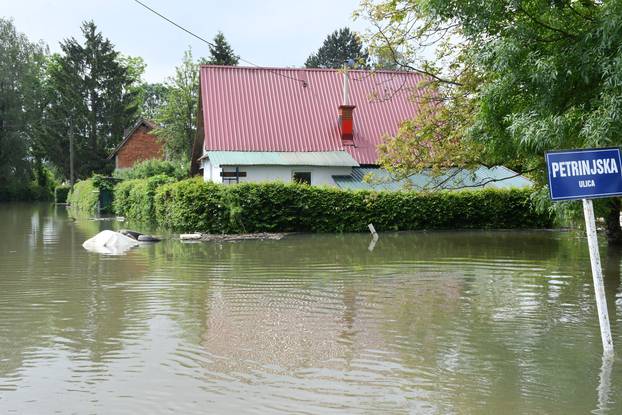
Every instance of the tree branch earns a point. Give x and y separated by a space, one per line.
395 58
546 25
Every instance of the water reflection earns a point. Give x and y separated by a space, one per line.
443 322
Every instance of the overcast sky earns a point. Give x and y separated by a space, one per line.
265 32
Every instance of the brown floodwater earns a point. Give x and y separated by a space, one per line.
426 322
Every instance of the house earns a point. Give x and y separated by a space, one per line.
138 144
317 126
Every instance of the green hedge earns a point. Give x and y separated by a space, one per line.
134 198
84 197
61 192
149 168
87 195
193 205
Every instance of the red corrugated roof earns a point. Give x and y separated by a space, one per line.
282 109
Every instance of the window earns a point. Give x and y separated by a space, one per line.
232 176
302 177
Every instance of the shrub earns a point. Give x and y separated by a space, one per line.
150 168
24 191
276 207
192 205
135 198
60 193
84 197
93 195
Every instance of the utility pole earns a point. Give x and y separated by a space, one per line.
71 174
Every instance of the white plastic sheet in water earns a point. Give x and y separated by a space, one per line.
110 243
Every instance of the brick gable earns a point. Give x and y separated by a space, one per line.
139 146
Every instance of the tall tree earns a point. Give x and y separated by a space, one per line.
222 53
21 68
177 117
527 76
152 98
93 97
338 48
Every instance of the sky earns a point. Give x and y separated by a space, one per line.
272 33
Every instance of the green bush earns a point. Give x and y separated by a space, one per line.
25 191
150 168
87 195
193 205
135 198
60 193
84 197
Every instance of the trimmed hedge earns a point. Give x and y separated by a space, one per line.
87 195
194 205
134 198
84 197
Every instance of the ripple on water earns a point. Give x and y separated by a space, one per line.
426 323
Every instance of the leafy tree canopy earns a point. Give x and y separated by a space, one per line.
177 117
338 48
152 97
22 65
513 78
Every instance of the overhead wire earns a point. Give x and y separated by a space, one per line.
302 81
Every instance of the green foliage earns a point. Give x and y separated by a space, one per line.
149 168
84 197
21 101
92 93
60 193
87 194
177 116
339 47
522 77
222 53
152 98
135 198
193 205
24 192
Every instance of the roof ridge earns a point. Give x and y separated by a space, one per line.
277 68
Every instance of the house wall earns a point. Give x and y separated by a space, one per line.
140 146
211 173
320 175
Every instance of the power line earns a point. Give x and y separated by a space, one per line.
304 83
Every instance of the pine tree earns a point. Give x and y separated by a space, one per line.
222 53
338 48
92 97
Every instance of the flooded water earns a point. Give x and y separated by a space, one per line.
425 323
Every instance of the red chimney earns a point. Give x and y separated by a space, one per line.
345 112
345 124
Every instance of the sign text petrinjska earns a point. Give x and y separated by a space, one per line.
581 174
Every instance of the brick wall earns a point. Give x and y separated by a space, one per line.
140 146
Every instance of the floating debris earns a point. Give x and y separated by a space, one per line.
190 236
140 237
263 236
110 243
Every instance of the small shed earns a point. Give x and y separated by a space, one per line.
137 145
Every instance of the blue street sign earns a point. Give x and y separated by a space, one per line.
584 174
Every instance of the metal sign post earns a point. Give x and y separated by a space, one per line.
597 275
588 174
